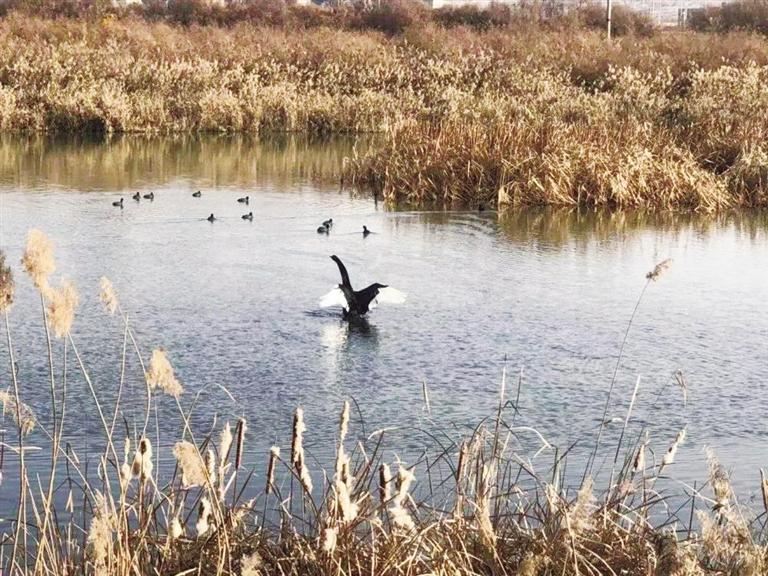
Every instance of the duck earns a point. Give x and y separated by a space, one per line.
150 196
323 229
357 303
119 203
137 197
366 231
244 200
328 223
197 194
211 218
248 216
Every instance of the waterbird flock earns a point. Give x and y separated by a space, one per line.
354 304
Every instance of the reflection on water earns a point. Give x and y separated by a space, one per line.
122 163
235 304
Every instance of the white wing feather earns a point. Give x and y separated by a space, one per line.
334 298
388 295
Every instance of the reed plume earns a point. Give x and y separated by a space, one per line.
100 534
399 515
21 413
38 260
669 457
191 464
108 295
61 310
659 269
6 284
160 374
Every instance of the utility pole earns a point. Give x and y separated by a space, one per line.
608 10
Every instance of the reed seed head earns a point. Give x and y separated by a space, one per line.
160 374
100 533
191 464
107 295
669 457
718 478
6 284
61 310
38 260
659 269
20 412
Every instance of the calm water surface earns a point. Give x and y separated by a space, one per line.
235 305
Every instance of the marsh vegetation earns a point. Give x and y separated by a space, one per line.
466 113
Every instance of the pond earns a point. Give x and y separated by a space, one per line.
548 294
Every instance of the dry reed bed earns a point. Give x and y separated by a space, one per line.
491 507
672 121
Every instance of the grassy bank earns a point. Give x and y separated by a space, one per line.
510 116
475 502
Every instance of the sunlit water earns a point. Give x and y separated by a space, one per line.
235 305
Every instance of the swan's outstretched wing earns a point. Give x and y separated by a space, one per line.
334 298
387 295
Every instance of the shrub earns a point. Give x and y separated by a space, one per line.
393 16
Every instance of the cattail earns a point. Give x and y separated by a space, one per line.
659 269
458 506
142 460
225 443
100 533
385 483
329 539
483 512
344 502
210 465
398 514
191 464
669 457
297 450
160 374
721 484
6 284
203 517
404 480
274 456
175 530
126 475
108 295
61 310
344 422
21 413
639 462
38 259
241 430
764 489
